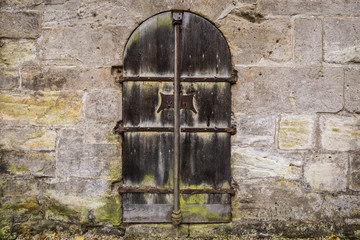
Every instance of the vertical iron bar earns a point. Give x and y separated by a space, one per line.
176 214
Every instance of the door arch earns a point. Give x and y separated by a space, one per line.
205 75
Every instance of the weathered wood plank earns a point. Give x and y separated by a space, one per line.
142 213
205 213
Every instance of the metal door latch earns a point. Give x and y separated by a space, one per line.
186 102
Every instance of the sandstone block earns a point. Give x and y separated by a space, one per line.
248 163
95 14
342 40
52 78
103 105
311 8
326 172
284 200
352 90
341 206
19 25
254 130
296 132
252 41
268 90
28 139
355 172
21 4
15 53
308 41
155 231
100 133
82 46
9 79
25 163
340 133
48 108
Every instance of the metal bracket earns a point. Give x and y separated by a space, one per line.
186 102
177 17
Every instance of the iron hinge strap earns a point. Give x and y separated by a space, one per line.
123 190
231 79
231 130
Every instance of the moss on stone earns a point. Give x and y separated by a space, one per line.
110 211
115 171
18 168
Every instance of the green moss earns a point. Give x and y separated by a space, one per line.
57 211
18 168
192 199
115 171
29 205
148 180
110 211
203 212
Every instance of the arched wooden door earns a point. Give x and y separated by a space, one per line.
148 121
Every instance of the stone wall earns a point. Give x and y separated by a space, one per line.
296 105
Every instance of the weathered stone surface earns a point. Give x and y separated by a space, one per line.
342 40
83 46
48 108
77 158
315 7
14 4
254 130
156 231
205 231
340 133
26 139
340 206
267 90
95 14
251 42
251 202
24 163
355 172
213 10
15 53
250 164
103 105
320 169
65 78
308 41
352 90
8 79
19 25
296 132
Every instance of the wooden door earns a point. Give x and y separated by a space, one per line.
148 116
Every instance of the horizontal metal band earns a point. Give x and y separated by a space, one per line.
170 191
231 80
232 131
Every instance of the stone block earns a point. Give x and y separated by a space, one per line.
326 172
249 163
341 206
155 231
82 46
310 8
296 132
355 172
103 105
101 133
208 231
9 79
14 53
28 139
352 90
52 78
279 200
340 133
254 130
342 40
96 14
21 4
38 164
18 190
213 10
19 25
44 108
254 40
270 90
308 41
